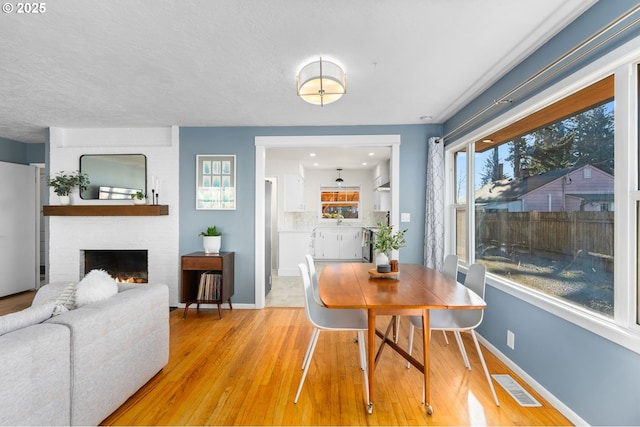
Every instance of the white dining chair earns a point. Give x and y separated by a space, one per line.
459 321
450 266
325 319
314 278
449 269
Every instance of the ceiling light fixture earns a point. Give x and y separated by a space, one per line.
339 179
321 82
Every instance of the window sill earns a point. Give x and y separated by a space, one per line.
590 321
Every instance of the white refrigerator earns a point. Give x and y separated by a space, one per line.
19 228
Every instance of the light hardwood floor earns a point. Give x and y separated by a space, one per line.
17 302
245 368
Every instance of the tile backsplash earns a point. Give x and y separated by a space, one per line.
309 220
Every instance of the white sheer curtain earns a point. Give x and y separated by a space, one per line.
434 211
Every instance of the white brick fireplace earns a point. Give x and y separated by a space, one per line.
69 236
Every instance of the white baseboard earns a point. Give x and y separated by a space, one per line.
287 272
548 396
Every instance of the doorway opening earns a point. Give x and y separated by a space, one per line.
264 142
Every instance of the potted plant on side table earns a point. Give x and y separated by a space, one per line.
387 240
211 240
64 183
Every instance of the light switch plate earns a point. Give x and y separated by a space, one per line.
511 340
405 217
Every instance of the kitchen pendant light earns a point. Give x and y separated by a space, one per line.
339 179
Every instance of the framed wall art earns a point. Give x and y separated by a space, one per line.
215 182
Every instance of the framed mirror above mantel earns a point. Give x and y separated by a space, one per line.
114 176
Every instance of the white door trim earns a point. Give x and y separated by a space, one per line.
264 142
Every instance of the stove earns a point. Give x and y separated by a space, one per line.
369 235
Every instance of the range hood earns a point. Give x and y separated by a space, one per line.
384 187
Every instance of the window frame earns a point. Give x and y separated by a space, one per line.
623 64
339 189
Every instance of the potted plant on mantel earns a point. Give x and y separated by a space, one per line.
64 183
139 198
211 240
386 241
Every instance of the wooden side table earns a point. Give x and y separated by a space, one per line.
220 268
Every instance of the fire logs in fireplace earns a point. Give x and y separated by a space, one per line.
124 265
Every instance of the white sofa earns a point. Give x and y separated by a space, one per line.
76 368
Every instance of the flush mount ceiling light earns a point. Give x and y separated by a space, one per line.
339 179
321 82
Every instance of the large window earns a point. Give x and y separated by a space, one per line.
543 200
460 206
544 205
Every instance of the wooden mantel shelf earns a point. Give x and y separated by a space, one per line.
106 210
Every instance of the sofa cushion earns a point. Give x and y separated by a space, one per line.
35 376
117 345
49 292
27 317
95 286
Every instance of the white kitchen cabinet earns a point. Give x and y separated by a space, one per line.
294 193
340 243
292 247
351 245
381 174
381 201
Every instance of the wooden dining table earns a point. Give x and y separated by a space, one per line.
414 290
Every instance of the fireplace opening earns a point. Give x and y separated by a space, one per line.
124 265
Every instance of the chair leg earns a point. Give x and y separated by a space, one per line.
410 346
396 331
463 351
306 355
363 351
444 332
314 341
484 366
363 364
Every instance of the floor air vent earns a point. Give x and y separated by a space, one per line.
515 390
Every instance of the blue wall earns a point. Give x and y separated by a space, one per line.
18 152
238 225
593 376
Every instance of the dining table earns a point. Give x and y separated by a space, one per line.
412 290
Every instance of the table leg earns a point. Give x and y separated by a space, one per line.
371 356
426 335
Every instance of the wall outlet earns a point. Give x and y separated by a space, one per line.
511 340
405 217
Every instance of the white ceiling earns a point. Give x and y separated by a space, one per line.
126 63
321 158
